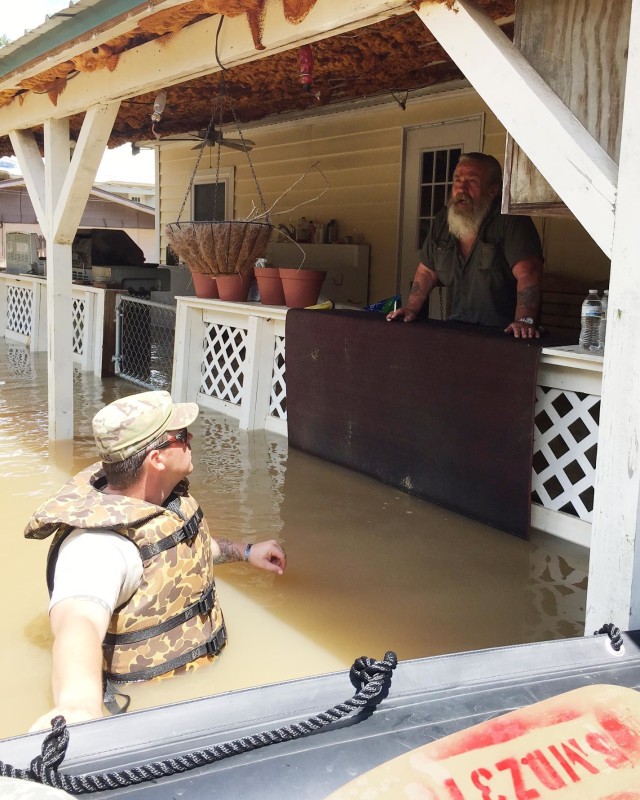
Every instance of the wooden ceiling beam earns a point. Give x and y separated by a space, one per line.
81 44
82 171
190 54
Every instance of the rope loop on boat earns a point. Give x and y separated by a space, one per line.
613 633
370 677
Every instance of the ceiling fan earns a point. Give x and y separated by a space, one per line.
212 138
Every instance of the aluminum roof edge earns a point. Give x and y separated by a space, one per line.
60 28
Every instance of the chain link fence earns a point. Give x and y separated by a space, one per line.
144 342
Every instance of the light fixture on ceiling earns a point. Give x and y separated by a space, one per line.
158 106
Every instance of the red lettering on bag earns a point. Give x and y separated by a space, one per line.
541 767
513 765
499 731
625 737
486 790
564 763
576 755
613 756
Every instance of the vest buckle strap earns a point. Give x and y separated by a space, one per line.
186 532
203 605
190 527
211 647
217 642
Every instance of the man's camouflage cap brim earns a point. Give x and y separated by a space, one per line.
128 425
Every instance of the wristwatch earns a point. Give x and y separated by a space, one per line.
527 320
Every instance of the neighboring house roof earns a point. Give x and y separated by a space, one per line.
391 56
104 209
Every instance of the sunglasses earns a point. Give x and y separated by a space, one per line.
181 436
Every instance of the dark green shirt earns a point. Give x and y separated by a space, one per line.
482 289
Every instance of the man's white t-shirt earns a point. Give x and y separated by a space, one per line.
97 565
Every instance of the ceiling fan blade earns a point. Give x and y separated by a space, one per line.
204 143
234 144
246 142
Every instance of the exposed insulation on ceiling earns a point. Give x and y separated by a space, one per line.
397 55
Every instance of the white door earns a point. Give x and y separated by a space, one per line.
430 156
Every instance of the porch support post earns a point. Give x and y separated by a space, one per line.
566 154
59 278
59 188
614 567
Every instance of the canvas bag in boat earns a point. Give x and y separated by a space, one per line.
582 745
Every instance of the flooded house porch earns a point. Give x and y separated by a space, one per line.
369 568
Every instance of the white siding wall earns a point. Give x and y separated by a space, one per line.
360 153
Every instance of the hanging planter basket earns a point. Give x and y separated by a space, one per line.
219 248
229 247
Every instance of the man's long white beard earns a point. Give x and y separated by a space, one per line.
466 218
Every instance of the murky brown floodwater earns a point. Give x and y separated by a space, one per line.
370 569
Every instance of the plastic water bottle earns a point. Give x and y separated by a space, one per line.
602 331
590 321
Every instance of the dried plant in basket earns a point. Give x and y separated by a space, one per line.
219 248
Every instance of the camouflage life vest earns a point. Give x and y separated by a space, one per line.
173 618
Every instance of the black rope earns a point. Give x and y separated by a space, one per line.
613 633
370 675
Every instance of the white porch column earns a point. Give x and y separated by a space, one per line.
59 189
59 281
614 569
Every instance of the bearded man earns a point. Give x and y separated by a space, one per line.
491 263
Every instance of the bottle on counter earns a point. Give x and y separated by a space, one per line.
331 234
602 330
303 230
590 321
318 233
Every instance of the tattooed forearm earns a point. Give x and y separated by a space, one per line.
416 287
227 552
528 302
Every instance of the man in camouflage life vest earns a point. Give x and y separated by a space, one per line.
130 566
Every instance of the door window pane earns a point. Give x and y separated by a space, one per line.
427 166
441 165
438 197
435 185
426 206
454 156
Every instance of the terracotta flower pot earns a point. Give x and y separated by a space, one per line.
234 287
301 286
205 285
270 286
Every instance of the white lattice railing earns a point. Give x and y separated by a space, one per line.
278 397
23 316
19 310
565 442
223 363
564 451
78 325
230 357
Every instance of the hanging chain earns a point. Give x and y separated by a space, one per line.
223 97
246 150
195 169
223 87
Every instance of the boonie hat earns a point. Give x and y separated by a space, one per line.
126 426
